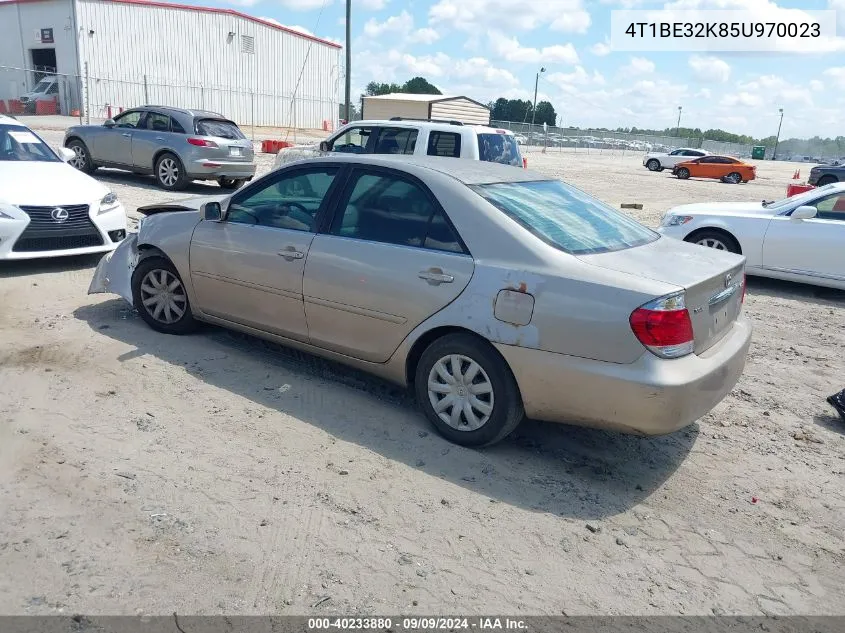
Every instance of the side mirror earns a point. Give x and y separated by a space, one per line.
109 123
66 154
211 212
804 213
324 146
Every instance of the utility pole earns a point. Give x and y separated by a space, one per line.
777 138
348 60
534 110
679 121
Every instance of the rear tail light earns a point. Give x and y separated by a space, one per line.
664 326
201 142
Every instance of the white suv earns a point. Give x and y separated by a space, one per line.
412 136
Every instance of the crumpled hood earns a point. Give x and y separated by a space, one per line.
298 152
41 184
721 208
187 204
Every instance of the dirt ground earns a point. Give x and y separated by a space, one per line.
215 473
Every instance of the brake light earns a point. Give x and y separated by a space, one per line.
201 142
664 326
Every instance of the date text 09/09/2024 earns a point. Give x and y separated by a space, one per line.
724 29
417 624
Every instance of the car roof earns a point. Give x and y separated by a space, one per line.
469 172
195 113
440 125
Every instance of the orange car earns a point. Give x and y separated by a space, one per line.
724 168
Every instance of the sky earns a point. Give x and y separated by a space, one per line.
486 49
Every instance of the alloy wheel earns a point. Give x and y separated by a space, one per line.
168 172
711 242
79 159
461 393
163 296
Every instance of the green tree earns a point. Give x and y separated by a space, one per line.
420 86
545 114
373 88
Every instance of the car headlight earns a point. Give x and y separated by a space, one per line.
108 203
675 220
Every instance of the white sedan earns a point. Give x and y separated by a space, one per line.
48 208
658 161
801 238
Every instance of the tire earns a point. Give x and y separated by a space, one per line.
683 173
230 183
826 180
712 238
149 276
82 161
169 172
733 178
653 165
493 379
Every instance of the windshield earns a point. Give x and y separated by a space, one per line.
801 198
499 148
219 128
19 144
43 86
566 217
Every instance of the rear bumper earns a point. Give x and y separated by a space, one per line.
208 169
651 396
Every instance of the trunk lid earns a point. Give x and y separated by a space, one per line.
711 279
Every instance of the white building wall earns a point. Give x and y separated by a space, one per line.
460 109
380 108
189 59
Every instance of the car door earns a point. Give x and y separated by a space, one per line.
358 139
153 134
389 260
248 268
394 140
113 145
705 167
813 247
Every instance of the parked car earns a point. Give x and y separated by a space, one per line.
414 137
47 208
822 175
658 161
724 168
797 239
46 89
174 145
495 292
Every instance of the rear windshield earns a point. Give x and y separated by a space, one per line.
221 129
566 217
499 148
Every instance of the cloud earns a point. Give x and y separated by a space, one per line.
578 77
374 5
746 99
709 69
481 68
638 66
402 23
837 75
600 49
424 36
510 49
816 85
567 16
296 5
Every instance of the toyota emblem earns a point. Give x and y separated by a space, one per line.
728 279
59 215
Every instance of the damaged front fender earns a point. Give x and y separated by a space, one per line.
114 272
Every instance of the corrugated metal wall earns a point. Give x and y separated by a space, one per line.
460 109
169 56
387 108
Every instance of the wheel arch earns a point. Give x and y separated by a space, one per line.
166 150
713 228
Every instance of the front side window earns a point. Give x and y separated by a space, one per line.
499 148
289 202
395 141
20 144
128 119
352 141
390 209
566 217
444 144
832 208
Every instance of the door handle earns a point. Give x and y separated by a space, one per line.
126 134
435 276
290 254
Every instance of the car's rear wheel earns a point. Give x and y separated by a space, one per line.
160 297
653 165
826 180
733 178
169 172
230 183
720 240
467 391
82 157
683 173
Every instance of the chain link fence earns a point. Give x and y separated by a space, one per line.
90 98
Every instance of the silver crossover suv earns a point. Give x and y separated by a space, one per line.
174 145
496 292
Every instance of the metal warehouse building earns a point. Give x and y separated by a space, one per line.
415 106
112 54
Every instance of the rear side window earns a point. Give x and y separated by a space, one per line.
219 128
566 217
176 127
499 148
444 144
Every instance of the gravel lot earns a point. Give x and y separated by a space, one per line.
215 473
